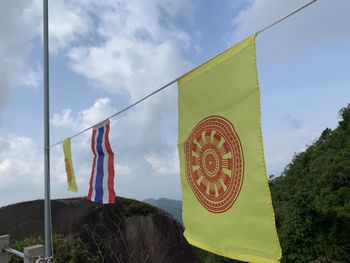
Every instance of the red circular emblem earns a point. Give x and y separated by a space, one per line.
214 163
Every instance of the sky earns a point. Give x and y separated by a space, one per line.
104 55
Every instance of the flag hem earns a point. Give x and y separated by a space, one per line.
230 254
215 60
273 219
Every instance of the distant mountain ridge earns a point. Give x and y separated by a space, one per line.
173 207
311 203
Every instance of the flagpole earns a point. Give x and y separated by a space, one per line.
47 204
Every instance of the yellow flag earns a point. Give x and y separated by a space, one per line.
227 205
72 186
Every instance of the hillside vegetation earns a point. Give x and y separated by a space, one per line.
312 199
125 232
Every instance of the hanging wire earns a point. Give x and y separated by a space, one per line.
285 17
119 112
175 80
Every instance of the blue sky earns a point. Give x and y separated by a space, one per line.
106 54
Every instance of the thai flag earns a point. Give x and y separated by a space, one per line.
102 174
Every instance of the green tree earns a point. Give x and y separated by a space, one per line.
64 250
312 199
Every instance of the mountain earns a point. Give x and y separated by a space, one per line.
312 199
173 207
128 231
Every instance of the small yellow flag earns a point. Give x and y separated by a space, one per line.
72 186
227 205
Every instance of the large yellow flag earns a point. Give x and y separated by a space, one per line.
72 185
227 205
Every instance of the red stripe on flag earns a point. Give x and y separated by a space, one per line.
111 193
93 165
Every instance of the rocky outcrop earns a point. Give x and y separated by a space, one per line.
129 231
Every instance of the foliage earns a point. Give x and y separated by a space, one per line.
128 208
312 199
207 257
131 208
65 250
20 245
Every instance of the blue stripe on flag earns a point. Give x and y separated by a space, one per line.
100 172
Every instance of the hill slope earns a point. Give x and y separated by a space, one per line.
312 199
129 231
173 207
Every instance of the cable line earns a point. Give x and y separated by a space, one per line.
175 80
285 17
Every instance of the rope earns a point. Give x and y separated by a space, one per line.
175 80
119 112
42 259
285 17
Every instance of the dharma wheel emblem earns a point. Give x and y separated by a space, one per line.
214 163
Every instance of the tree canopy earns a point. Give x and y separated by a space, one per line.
312 199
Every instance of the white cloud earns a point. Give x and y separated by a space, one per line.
5 165
124 170
85 118
143 140
19 24
164 164
322 22
63 119
21 169
296 72
68 22
99 111
138 49
140 46
128 47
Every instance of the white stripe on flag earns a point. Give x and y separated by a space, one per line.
93 197
105 169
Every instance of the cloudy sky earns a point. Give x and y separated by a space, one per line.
106 54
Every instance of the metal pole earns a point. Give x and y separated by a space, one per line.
48 227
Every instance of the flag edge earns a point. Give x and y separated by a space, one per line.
266 184
216 60
229 254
